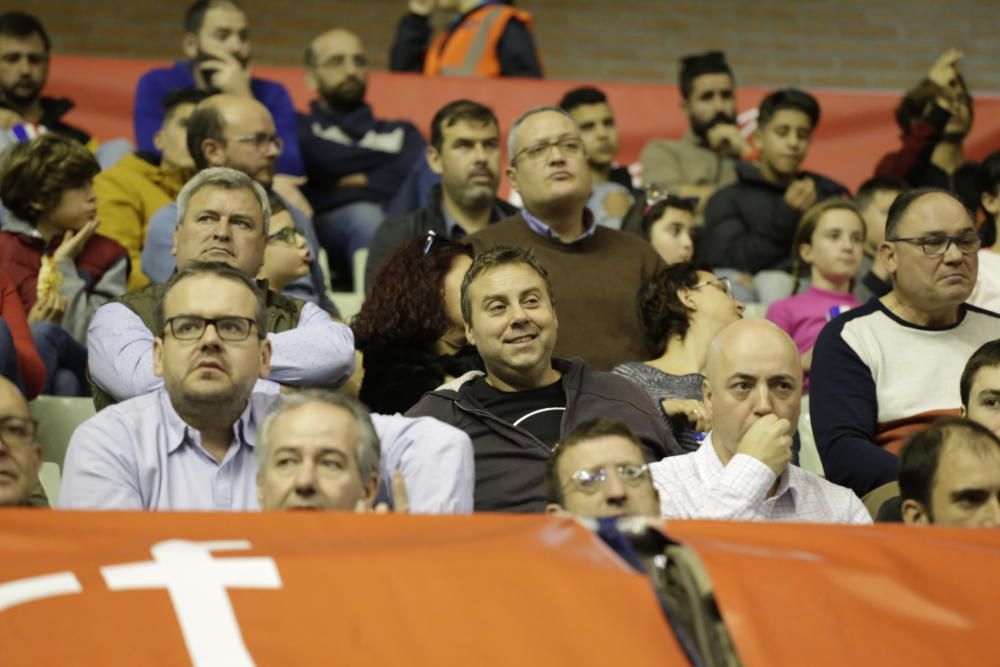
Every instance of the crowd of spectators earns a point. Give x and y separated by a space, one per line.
589 351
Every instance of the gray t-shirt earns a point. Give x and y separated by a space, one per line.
663 386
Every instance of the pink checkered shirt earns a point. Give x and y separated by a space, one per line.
698 486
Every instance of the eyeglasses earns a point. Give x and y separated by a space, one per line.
289 235
723 284
18 430
935 245
429 243
570 146
192 327
589 481
261 141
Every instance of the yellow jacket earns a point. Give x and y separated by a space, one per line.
128 194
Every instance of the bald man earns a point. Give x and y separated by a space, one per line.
236 132
742 471
20 454
354 162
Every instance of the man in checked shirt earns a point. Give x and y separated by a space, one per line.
742 471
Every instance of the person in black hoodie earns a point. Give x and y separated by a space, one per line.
410 328
749 226
354 162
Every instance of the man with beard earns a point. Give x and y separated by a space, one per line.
216 46
935 118
465 153
610 196
354 162
705 158
24 68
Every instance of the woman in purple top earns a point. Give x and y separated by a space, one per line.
830 243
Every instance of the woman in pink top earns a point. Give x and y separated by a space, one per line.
830 241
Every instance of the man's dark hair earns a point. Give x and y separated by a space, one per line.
871 187
194 17
918 461
180 97
785 99
589 430
221 270
581 96
987 356
205 122
905 200
920 99
453 112
988 178
700 64
499 256
22 25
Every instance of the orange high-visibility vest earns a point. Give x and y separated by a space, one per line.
471 49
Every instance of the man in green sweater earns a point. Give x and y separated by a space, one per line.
595 271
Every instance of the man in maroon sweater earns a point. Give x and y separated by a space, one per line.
596 271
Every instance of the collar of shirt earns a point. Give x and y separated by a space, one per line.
16 225
710 467
455 230
178 432
540 228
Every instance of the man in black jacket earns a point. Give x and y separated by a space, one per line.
750 225
528 400
465 152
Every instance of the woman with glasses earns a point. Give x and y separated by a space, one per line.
286 255
410 328
681 309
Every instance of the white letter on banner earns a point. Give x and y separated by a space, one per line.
20 591
197 584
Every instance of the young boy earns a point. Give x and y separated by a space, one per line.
749 226
63 271
874 198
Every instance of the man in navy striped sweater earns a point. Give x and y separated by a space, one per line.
887 369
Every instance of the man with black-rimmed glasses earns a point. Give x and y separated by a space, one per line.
20 453
887 369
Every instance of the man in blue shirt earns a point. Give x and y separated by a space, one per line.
216 47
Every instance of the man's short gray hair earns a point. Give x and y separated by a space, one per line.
227 179
512 137
368 453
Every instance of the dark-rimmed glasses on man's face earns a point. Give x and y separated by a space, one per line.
936 245
287 235
192 327
261 141
569 147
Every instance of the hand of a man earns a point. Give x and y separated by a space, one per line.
421 7
769 440
51 309
801 194
74 240
697 412
726 138
223 72
944 72
400 499
356 180
288 187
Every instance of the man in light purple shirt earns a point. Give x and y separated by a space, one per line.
742 470
190 445
224 218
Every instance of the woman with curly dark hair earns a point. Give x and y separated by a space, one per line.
410 328
681 309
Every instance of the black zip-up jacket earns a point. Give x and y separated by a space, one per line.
511 464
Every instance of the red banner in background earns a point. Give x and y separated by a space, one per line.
319 589
856 127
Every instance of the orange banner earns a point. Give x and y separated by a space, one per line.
855 130
838 595
319 589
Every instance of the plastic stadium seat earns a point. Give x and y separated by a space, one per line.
349 303
58 417
808 454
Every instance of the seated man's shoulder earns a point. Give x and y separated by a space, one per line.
127 415
511 228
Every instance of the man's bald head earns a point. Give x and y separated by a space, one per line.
20 455
236 132
337 69
752 369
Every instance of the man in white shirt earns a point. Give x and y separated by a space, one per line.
753 383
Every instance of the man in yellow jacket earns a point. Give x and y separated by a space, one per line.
136 187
